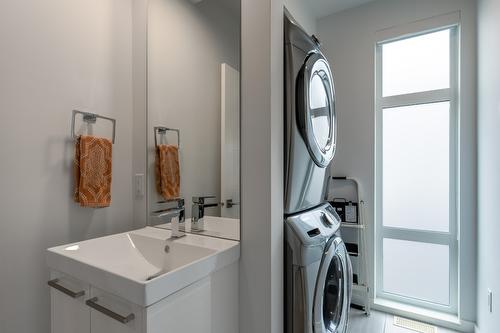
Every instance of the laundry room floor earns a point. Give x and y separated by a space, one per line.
379 322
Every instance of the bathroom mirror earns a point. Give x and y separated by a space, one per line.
194 105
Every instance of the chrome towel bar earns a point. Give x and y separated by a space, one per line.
162 130
90 118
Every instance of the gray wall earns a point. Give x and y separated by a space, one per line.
488 164
302 12
349 42
56 55
187 43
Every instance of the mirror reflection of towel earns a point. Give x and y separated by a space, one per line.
93 171
167 169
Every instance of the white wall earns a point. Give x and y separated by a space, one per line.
302 11
488 164
261 262
56 55
187 44
349 39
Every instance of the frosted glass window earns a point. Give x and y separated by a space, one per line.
416 64
416 166
416 178
417 270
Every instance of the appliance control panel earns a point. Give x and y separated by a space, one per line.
333 218
314 225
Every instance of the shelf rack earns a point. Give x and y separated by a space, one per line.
363 285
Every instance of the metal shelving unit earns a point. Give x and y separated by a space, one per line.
361 288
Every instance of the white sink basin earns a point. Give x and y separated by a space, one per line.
166 255
145 265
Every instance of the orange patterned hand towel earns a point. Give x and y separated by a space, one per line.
168 179
92 167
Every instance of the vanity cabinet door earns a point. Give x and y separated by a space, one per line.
189 310
68 310
111 314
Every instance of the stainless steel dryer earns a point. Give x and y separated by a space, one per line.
310 120
318 280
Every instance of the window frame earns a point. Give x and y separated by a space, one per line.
451 94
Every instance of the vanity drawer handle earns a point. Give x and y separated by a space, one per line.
94 305
54 284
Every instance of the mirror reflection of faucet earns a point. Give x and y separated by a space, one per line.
198 211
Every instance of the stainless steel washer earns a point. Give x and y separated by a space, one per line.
318 280
310 119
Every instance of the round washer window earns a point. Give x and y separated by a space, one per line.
333 295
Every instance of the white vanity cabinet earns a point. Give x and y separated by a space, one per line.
143 281
209 305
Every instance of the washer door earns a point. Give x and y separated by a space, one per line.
316 109
333 288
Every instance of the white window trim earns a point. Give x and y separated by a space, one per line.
449 21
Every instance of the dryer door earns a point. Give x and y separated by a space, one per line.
316 109
333 290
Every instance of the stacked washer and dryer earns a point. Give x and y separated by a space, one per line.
318 279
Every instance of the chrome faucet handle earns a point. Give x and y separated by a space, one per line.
170 213
201 199
174 216
178 201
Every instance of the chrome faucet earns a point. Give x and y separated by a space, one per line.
174 216
198 211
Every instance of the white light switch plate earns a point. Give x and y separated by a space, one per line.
139 185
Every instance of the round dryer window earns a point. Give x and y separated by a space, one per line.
316 109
